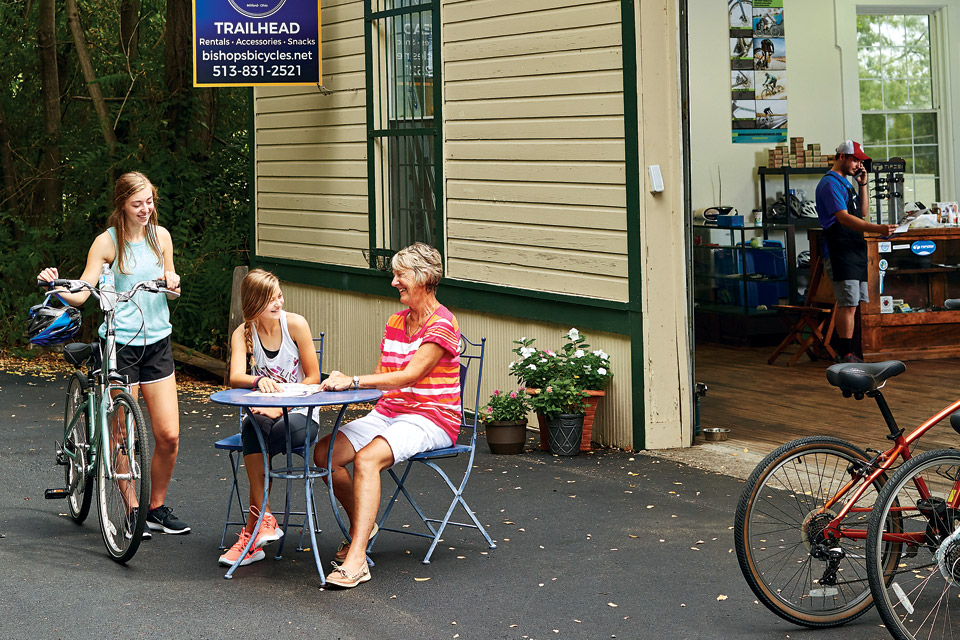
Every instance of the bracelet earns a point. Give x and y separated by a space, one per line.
256 382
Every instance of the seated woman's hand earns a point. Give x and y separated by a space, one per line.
271 412
337 381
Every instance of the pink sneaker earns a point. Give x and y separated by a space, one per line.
231 555
270 531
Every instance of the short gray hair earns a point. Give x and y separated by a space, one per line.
423 261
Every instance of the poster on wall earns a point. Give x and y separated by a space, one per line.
758 71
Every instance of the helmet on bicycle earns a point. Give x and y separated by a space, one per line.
50 324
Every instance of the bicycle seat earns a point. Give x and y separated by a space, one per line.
77 353
861 377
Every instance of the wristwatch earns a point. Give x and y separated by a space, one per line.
356 382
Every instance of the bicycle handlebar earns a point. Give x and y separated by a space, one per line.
75 286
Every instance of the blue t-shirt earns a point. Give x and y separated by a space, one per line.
147 321
833 194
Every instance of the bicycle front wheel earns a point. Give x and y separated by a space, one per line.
917 596
123 479
76 449
778 533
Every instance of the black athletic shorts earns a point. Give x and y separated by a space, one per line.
145 364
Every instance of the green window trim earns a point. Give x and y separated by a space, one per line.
541 306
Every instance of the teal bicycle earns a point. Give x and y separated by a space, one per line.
105 435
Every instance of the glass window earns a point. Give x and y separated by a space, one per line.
898 111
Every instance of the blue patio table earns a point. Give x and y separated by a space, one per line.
248 399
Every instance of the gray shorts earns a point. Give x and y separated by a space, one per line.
849 293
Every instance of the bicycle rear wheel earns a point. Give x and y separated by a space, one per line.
76 447
778 533
918 595
124 491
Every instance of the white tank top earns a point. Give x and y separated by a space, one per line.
285 366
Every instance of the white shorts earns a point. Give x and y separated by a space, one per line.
407 434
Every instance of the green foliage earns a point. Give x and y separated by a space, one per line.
561 395
201 170
535 368
506 407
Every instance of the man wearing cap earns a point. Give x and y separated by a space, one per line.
843 212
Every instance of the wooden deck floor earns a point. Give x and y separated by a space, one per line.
765 406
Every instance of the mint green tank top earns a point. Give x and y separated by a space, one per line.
132 326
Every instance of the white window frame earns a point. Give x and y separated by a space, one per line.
944 19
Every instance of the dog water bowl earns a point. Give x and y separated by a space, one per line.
715 435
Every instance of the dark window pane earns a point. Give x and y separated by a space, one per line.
899 129
874 129
925 128
927 160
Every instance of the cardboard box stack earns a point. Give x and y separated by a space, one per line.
795 154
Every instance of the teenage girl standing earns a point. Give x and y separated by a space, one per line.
137 248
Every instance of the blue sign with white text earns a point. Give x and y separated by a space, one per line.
923 247
256 42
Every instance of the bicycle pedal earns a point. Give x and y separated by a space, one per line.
56 494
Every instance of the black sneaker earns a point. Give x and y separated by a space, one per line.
162 519
132 524
851 357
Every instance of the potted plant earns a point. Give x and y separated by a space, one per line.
562 404
533 367
591 372
505 420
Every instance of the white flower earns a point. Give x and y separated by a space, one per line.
604 356
543 359
578 353
586 367
526 352
512 365
573 334
523 339
602 371
597 353
532 367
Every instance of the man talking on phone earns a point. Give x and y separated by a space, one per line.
844 212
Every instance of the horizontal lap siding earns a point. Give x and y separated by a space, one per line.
534 169
311 153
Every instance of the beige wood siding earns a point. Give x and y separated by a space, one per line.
534 145
353 325
311 174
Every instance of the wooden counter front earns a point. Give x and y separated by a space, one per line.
922 282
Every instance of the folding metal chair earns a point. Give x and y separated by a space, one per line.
471 373
234 445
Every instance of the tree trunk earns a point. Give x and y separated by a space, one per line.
8 200
129 28
51 187
177 72
93 86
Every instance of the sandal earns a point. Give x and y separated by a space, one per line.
341 578
344 547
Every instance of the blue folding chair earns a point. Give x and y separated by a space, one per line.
471 373
234 445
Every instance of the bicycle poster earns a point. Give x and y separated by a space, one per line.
758 71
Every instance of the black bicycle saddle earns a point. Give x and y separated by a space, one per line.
861 377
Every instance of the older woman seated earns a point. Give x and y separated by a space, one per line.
419 372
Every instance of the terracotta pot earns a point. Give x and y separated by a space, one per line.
590 412
506 437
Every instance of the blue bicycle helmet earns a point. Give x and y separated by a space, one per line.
50 324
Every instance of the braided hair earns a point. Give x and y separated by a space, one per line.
256 290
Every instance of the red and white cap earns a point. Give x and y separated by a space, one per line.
851 148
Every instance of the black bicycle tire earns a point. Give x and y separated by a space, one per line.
890 493
78 502
123 553
752 573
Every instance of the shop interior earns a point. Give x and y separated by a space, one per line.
801 77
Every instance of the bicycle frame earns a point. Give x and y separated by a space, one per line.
884 462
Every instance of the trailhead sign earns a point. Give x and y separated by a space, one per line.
256 43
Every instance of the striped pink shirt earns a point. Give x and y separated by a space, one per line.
436 396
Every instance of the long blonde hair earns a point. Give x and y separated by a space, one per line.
256 291
126 186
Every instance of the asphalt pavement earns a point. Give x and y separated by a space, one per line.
609 544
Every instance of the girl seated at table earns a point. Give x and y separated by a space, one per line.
279 348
